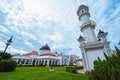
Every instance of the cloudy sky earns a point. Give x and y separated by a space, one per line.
34 23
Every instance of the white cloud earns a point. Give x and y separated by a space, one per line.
55 21
3 29
2 45
28 43
14 51
28 35
11 49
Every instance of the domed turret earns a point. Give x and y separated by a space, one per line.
81 39
102 35
46 47
83 10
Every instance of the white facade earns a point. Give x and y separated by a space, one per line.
90 46
38 60
44 57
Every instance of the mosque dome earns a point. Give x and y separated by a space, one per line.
46 47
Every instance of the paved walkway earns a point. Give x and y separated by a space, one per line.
81 71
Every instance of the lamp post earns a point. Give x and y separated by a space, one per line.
8 43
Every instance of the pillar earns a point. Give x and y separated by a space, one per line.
38 62
31 62
48 62
20 61
25 62
17 60
35 62
44 62
58 62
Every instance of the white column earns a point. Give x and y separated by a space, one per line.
35 62
58 62
17 60
25 62
38 62
48 62
31 61
44 62
20 61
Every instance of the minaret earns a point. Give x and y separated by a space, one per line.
86 28
91 46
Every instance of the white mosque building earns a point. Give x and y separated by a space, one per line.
91 46
43 57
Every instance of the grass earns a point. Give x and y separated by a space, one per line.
41 73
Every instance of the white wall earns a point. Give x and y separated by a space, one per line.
84 19
92 55
89 34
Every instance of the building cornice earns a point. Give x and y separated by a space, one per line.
96 44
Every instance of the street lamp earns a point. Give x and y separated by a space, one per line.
8 43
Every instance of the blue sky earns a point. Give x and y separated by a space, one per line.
33 23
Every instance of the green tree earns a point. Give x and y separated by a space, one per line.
6 63
108 69
4 55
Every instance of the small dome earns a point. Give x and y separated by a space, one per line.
80 39
100 32
46 47
82 7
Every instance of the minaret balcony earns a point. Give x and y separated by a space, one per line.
83 26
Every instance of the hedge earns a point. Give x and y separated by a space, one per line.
7 65
73 69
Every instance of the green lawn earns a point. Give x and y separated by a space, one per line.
40 73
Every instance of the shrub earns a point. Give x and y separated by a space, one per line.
108 69
7 65
71 69
87 72
78 67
